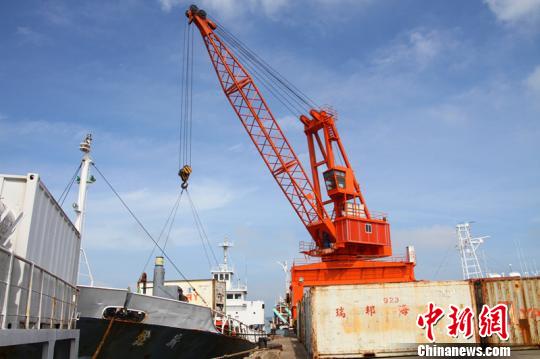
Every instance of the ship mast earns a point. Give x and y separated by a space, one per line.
225 245
80 206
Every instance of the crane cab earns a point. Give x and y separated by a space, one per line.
339 181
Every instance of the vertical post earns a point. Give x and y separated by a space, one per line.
72 300
62 304
40 299
6 295
53 303
29 299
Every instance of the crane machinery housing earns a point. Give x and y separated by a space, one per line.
352 242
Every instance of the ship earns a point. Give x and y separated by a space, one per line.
250 312
223 291
115 322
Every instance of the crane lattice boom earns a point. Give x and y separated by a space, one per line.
351 230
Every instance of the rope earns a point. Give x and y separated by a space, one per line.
148 233
173 211
102 341
202 232
69 185
171 224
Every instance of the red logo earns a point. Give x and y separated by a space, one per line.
429 320
462 322
493 321
490 321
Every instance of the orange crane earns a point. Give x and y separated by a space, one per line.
346 235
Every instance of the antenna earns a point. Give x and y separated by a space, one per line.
285 268
467 246
225 245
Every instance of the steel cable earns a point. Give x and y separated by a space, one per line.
295 91
69 185
173 212
266 80
148 233
202 232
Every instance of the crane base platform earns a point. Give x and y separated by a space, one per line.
347 272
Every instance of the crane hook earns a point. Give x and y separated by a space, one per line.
184 175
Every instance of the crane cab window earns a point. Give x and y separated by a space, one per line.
334 179
368 228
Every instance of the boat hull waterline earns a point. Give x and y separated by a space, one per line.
166 328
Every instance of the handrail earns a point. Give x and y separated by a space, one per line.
230 326
56 298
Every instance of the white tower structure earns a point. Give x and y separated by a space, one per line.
250 312
80 207
84 180
467 246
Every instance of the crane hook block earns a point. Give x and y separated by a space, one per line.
184 175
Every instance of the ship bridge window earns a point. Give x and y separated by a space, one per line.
215 276
226 277
221 277
368 228
237 296
229 296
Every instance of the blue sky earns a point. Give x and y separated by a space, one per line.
438 103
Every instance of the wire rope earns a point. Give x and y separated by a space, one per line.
147 232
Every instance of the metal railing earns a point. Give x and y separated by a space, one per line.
307 246
32 297
233 327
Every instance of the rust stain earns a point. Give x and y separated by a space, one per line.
353 322
143 336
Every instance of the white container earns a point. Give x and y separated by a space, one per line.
44 234
376 319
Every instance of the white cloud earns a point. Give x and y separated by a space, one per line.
11 128
152 207
239 147
533 80
31 36
290 123
432 237
419 47
448 113
512 11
